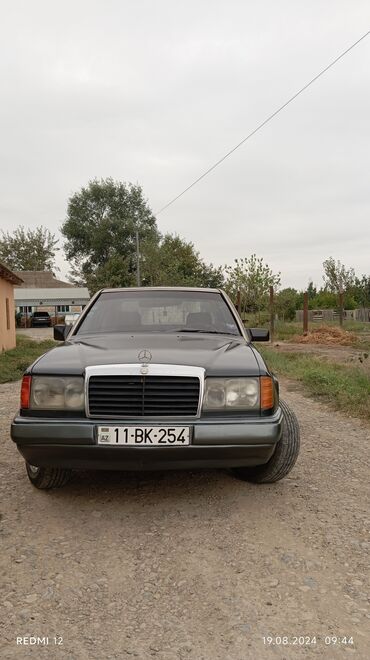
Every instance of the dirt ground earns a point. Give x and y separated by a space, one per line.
191 565
37 334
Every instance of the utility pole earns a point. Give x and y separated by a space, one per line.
305 313
272 315
341 306
138 278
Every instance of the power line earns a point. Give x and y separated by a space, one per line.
210 169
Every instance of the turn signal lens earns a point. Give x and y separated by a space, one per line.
267 393
25 392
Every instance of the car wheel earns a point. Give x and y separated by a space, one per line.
47 477
284 456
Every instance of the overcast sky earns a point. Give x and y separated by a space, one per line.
155 91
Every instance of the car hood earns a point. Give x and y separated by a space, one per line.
219 355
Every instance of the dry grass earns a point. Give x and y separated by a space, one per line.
329 335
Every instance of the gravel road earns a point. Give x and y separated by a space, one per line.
196 566
37 334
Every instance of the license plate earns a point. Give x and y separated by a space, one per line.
144 435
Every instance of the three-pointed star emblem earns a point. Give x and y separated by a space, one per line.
145 356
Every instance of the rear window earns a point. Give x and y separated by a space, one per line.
41 314
160 311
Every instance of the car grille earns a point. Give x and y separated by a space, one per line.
140 396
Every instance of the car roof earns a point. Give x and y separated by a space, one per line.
163 288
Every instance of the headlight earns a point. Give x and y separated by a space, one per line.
57 393
231 393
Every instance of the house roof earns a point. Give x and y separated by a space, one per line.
51 296
9 276
43 279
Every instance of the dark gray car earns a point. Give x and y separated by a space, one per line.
154 378
40 320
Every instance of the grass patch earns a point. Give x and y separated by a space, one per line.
345 388
286 331
14 362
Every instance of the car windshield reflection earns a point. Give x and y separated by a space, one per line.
160 311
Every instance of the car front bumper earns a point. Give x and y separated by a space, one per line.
215 443
40 324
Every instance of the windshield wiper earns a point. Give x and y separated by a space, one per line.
207 332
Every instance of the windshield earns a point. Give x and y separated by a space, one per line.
159 311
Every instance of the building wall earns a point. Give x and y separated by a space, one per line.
7 315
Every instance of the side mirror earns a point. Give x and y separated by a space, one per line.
259 334
61 332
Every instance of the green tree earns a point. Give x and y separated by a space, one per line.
29 249
338 279
299 300
286 303
323 300
311 290
100 232
361 291
117 271
253 278
211 276
174 262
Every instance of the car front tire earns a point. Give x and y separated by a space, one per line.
45 478
284 456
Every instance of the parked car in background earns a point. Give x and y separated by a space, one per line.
71 317
40 319
154 378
